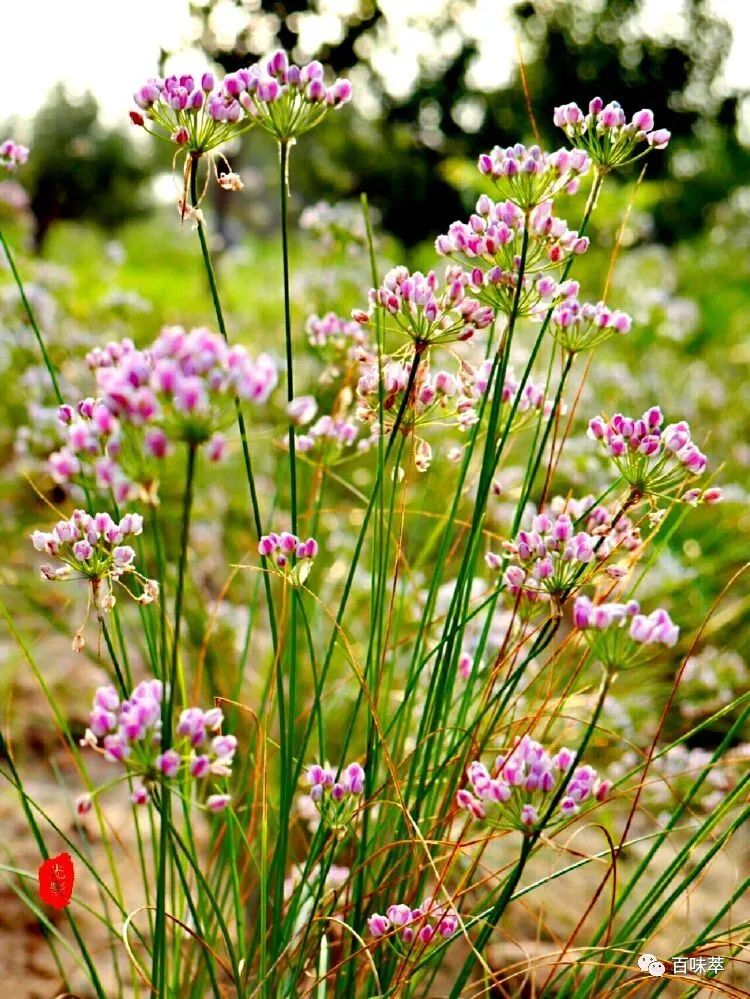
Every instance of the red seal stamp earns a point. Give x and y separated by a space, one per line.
56 879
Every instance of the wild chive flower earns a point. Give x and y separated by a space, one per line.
330 439
338 226
181 389
430 921
283 99
548 559
434 398
195 115
531 402
524 779
291 557
529 176
129 732
655 461
613 529
610 140
497 288
12 155
333 335
426 313
94 548
581 325
620 635
336 798
493 237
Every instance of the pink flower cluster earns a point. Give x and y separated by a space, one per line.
179 389
532 399
336 797
493 237
498 288
129 731
521 780
291 556
653 459
429 921
333 332
12 155
613 529
618 632
93 547
606 134
582 325
329 436
425 312
284 99
196 115
529 176
551 556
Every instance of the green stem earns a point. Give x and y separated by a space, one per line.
284 194
238 406
32 319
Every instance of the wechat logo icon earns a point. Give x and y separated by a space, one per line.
651 964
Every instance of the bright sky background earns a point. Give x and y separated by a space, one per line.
110 47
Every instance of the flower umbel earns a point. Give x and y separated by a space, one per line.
336 797
12 155
432 920
529 176
515 796
609 139
291 557
129 732
426 313
655 461
620 635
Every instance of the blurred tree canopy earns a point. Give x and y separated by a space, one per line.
80 169
572 49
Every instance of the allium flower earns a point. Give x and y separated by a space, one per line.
434 398
515 797
181 389
493 237
620 635
336 798
613 529
655 461
12 155
498 288
581 325
531 402
93 548
195 115
331 438
430 921
337 226
610 140
284 99
426 313
529 176
129 732
548 559
289 555
333 334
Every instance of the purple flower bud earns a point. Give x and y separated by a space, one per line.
218 802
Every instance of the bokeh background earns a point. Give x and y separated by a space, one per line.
94 223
